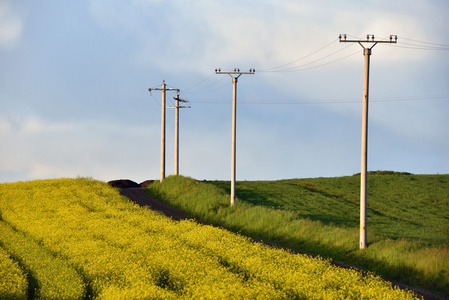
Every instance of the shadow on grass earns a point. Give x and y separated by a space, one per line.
245 194
252 196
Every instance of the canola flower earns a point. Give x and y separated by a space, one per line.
123 251
13 283
53 277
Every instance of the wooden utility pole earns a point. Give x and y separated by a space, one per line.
236 74
364 156
177 107
163 89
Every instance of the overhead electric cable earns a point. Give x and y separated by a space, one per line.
420 47
151 94
298 69
301 67
335 101
201 90
195 85
211 90
422 42
299 59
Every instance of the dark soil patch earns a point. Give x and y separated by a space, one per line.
138 196
129 184
146 183
123 184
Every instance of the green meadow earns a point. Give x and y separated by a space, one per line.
414 207
408 219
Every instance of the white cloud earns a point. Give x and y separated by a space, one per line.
43 149
11 25
199 36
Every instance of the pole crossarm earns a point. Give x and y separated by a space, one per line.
235 72
369 39
164 89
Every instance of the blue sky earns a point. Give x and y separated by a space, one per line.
74 82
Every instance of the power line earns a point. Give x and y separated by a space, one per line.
301 67
422 42
151 94
272 69
299 59
283 68
277 69
419 47
334 101
197 84
204 89
411 98
213 89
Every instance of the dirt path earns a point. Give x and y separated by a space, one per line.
138 196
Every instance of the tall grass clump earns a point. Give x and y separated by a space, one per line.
324 223
13 283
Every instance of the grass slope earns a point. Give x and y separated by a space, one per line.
415 207
407 219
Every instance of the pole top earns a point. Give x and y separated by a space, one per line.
369 39
236 71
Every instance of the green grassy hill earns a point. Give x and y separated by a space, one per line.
400 205
408 219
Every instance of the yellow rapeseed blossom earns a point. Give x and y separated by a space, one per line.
13 284
123 251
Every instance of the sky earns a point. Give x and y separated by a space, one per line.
74 80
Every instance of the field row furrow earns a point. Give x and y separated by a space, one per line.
14 283
51 277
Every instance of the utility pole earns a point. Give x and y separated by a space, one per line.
177 107
163 89
364 165
235 78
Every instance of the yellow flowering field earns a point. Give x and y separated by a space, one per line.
119 250
13 284
54 278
